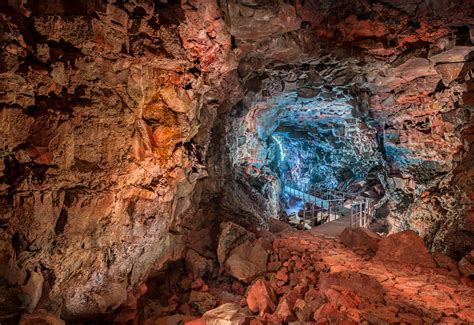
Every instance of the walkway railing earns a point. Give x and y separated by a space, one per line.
362 212
328 205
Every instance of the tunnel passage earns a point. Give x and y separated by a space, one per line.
340 121
308 134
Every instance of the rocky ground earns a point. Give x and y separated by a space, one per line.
290 276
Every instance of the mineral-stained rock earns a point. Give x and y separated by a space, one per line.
107 108
264 21
261 298
405 247
248 260
226 314
466 264
232 235
202 301
40 317
361 239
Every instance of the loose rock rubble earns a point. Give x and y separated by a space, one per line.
315 279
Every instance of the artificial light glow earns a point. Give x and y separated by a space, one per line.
280 145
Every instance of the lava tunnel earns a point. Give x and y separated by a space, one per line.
236 162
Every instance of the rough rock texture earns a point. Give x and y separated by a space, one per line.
226 314
106 112
261 298
361 239
40 317
326 282
248 260
403 72
105 118
405 247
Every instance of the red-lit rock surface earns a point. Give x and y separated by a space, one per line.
325 282
107 151
105 118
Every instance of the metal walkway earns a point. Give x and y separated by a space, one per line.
306 197
326 212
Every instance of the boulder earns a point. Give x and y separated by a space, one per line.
202 301
405 247
226 314
365 286
197 265
466 264
40 317
261 298
361 240
248 260
456 54
232 235
276 226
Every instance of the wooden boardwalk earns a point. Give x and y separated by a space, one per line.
332 228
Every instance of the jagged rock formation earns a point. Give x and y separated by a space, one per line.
106 112
118 119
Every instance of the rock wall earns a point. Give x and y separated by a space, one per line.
105 119
106 112
408 68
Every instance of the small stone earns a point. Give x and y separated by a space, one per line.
202 301
226 314
282 275
261 298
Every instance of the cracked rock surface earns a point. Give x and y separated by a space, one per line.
130 129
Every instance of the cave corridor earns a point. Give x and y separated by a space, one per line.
237 162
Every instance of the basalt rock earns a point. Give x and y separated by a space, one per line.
124 124
361 239
405 247
248 260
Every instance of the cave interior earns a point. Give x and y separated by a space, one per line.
236 162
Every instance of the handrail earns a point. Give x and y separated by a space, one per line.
331 202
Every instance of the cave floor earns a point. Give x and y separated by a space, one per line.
333 228
312 278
